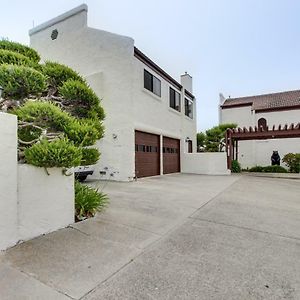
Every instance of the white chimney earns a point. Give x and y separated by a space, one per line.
187 82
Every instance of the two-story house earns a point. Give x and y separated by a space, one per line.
150 117
262 111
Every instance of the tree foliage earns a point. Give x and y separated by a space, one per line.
212 140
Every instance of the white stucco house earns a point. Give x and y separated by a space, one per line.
262 110
150 117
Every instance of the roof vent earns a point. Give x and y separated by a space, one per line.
54 34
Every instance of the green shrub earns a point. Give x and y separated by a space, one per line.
19 48
256 169
14 58
268 169
44 114
90 156
59 153
82 133
20 82
235 167
88 201
50 116
58 74
292 160
75 90
81 100
274 169
29 133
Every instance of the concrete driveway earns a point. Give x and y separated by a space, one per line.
171 237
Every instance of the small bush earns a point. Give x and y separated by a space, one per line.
292 160
20 82
58 74
256 169
19 48
59 153
90 156
88 201
14 58
235 167
268 169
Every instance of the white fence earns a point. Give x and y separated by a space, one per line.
31 201
206 163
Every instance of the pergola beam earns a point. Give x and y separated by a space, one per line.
239 134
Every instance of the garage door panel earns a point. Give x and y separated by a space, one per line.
147 154
171 155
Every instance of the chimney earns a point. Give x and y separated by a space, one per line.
187 82
222 99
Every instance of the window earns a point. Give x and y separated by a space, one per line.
152 83
262 123
190 146
188 105
174 99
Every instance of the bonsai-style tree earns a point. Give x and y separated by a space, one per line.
59 115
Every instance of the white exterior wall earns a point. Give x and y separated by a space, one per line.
209 163
46 202
252 153
8 179
107 62
243 116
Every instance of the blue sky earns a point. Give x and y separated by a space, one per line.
237 47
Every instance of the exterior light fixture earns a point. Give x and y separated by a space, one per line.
1 91
187 139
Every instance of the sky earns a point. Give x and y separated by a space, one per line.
234 47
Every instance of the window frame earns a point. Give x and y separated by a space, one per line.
155 83
175 93
191 102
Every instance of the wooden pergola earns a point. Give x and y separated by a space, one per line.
233 136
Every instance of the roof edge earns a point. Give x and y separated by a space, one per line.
60 18
151 64
236 105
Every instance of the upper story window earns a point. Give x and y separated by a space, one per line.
175 100
152 83
262 123
188 108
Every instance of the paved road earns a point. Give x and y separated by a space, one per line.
172 237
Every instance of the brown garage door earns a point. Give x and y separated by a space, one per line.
171 155
147 154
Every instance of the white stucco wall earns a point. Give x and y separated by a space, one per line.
210 163
31 202
107 61
46 202
8 180
279 117
243 116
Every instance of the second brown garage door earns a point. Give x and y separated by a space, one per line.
171 155
147 154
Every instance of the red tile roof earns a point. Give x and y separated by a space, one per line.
268 102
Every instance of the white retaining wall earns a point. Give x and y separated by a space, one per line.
209 163
46 202
8 180
31 201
